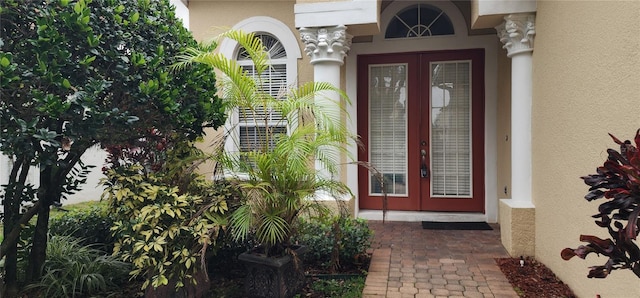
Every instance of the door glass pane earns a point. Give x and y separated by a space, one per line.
451 129
388 127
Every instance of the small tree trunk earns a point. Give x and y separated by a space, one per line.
13 198
38 253
11 256
11 273
334 264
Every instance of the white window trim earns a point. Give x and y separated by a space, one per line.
417 6
261 24
459 24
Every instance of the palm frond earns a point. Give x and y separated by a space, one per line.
273 228
241 222
253 46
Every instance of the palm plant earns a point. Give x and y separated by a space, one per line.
283 172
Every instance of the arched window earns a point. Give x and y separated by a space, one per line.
252 128
419 20
284 52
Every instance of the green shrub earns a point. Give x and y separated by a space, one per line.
162 231
92 225
344 288
351 237
76 270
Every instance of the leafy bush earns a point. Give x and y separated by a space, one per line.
618 180
334 241
91 225
76 270
163 232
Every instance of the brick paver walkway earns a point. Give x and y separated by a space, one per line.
409 261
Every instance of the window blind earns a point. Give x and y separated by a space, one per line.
451 129
254 125
388 127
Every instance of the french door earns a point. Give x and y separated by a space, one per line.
421 121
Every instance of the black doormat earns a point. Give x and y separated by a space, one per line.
437 225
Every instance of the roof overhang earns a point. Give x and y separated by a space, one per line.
362 17
491 13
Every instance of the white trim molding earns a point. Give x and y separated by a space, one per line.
489 13
360 15
274 27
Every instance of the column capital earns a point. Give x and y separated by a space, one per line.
326 44
517 33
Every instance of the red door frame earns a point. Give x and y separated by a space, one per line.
419 64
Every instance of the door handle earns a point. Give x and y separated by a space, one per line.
424 169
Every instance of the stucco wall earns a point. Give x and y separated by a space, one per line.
586 84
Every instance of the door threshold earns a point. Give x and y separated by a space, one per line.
393 215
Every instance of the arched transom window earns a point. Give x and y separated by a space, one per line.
421 20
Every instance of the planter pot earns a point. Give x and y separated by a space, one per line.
273 277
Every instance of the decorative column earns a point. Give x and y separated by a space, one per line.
517 215
517 33
327 47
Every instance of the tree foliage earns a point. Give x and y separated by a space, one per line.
618 181
77 73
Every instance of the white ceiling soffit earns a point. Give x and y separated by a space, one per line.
360 16
491 13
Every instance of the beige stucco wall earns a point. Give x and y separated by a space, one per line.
586 84
517 231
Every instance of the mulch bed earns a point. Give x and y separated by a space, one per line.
534 279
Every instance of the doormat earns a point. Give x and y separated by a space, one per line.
437 225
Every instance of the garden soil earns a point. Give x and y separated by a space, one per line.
533 279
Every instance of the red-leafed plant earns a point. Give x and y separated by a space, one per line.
618 180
